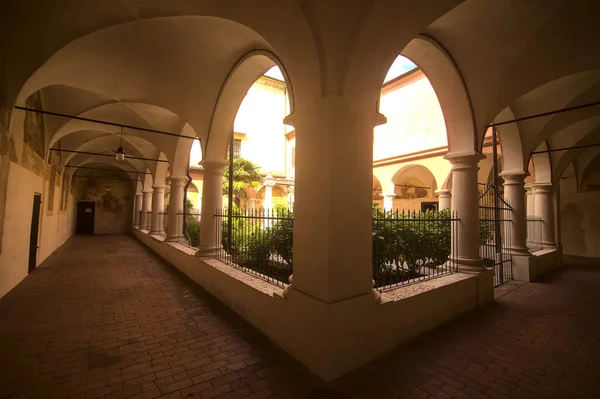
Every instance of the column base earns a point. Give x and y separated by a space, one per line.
549 245
207 252
174 239
519 251
156 232
469 265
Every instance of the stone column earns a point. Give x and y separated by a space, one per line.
175 213
444 198
268 201
465 202
212 201
158 204
544 208
514 194
137 207
146 207
388 202
530 199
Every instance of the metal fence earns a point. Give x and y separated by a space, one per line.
258 242
534 233
412 247
494 234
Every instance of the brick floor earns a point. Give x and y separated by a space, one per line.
103 317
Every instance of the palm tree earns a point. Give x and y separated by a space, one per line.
245 174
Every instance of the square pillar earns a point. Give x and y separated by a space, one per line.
333 201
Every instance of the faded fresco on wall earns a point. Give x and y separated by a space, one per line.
33 128
113 201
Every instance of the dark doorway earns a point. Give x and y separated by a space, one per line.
33 235
429 206
85 217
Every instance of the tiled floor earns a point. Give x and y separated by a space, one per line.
103 317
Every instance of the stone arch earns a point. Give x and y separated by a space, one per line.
542 167
414 181
242 75
510 143
181 157
445 78
377 189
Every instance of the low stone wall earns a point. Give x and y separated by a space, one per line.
540 263
331 339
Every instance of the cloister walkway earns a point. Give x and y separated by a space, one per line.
103 317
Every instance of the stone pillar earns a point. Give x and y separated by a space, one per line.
175 213
530 199
212 201
137 207
388 202
514 194
333 201
146 207
465 202
444 198
544 208
158 204
268 201
250 203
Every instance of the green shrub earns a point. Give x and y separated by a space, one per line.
193 231
403 244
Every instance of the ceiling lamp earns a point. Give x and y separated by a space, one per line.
120 151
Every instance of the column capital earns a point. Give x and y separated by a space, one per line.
213 166
543 187
138 195
444 193
159 189
464 160
147 193
514 178
178 181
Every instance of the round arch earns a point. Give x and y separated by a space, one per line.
242 75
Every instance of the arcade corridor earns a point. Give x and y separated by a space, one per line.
103 317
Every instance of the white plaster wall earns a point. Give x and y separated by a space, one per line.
580 223
414 121
55 228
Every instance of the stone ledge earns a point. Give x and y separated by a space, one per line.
409 290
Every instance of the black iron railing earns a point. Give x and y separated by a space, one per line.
534 233
260 242
412 247
495 234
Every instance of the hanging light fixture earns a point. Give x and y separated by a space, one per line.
120 151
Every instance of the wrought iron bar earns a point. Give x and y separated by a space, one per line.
549 113
106 155
84 119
